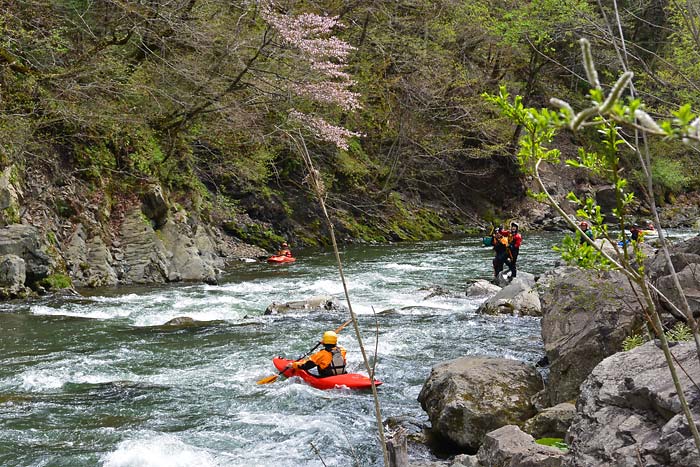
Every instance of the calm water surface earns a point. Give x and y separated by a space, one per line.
95 381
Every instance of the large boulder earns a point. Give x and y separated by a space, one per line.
470 396
586 316
629 414
26 242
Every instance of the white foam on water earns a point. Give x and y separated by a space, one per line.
78 370
405 267
158 451
80 311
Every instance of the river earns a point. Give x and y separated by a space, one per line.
96 381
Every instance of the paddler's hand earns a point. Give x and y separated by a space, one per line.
295 365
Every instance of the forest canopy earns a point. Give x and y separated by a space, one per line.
191 94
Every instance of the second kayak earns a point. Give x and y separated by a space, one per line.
281 259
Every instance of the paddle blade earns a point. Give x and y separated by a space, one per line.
268 379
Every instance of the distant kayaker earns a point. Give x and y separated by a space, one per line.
514 242
284 250
636 233
330 360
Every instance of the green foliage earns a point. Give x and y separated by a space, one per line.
56 282
255 234
632 342
583 255
680 332
668 175
553 442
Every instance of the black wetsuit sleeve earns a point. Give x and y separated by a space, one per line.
308 365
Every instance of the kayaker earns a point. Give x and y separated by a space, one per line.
284 250
330 360
514 242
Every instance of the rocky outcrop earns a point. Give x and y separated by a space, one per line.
152 243
517 298
628 411
552 422
471 396
586 316
312 304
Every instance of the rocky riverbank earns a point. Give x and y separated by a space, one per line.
605 406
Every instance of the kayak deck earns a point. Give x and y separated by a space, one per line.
350 380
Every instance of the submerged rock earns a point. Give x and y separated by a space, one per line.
312 304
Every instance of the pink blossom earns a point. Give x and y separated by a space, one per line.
324 130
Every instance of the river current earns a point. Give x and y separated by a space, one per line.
97 381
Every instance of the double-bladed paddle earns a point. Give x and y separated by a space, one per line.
273 378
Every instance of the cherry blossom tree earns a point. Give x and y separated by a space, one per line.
316 70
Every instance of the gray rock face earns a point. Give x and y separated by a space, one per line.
586 316
628 410
552 422
12 276
468 397
89 261
185 261
145 256
508 446
685 258
25 242
312 304
9 198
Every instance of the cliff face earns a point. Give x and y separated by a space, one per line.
53 235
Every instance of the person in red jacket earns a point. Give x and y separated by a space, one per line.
514 241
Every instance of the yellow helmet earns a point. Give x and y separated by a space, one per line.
329 337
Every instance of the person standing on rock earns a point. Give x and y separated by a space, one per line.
500 247
514 242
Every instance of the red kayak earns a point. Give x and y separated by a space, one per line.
350 380
280 259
